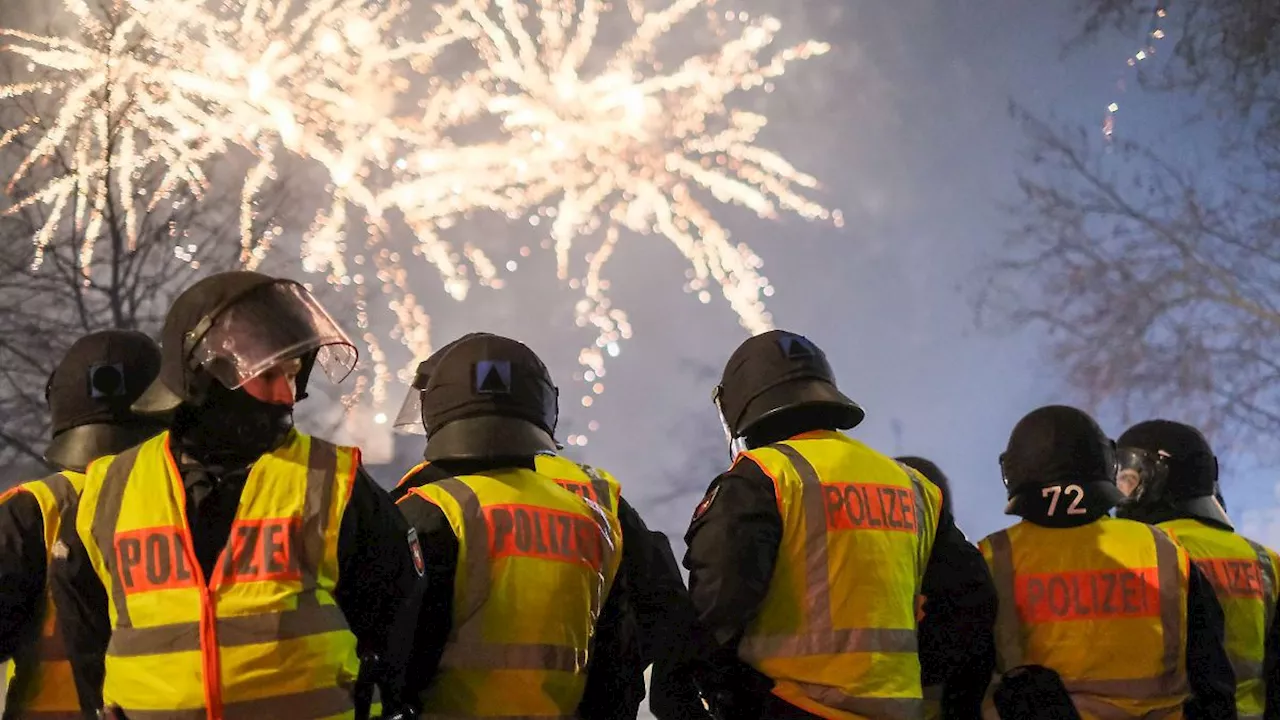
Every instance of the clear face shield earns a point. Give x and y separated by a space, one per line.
736 445
1141 474
409 419
266 328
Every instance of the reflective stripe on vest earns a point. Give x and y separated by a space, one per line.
933 702
516 527
39 677
1169 685
269 604
773 652
1243 577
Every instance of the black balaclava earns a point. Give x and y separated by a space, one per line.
231 428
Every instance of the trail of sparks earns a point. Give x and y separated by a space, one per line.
159 89
633 145
637 146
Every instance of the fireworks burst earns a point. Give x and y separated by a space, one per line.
163 88
633 145
166 87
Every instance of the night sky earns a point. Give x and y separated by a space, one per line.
905 122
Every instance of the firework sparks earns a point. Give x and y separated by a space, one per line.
633 145
175 84
636 146
161 89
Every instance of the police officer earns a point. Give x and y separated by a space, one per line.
525 606
805 558
89 395
233 566
1113 606
656 590
958 672
1173 474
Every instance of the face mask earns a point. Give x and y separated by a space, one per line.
235 426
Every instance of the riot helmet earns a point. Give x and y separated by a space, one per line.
1059 464
773 375
410 419
234 326
489 396
90 394
1171 468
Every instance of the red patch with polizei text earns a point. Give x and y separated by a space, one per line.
151 559
858 506
1088 595
538 532
1232 577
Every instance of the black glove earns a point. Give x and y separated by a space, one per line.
732 689
1033 692
368 678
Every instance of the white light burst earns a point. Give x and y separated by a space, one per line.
635 144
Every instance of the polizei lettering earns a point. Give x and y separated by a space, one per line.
153 559
1088 595
529 531
855 506
156 558
1233 577
261 550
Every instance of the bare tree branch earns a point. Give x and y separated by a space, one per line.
44 309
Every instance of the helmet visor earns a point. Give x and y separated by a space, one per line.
1139 472
409 419
267 326
736 444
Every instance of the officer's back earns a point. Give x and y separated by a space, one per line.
89 395
1111 605
520 610
1172 477
664 627
805 557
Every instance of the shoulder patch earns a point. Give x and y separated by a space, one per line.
705 505
415 549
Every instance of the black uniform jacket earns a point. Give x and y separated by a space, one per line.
733 544
22 571
646 618
375 571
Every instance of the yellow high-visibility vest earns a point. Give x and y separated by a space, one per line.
1102 604
1243 574
837 629
592 483
40 682
589 482
535 565
263 637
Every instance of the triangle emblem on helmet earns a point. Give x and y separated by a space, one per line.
493 377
